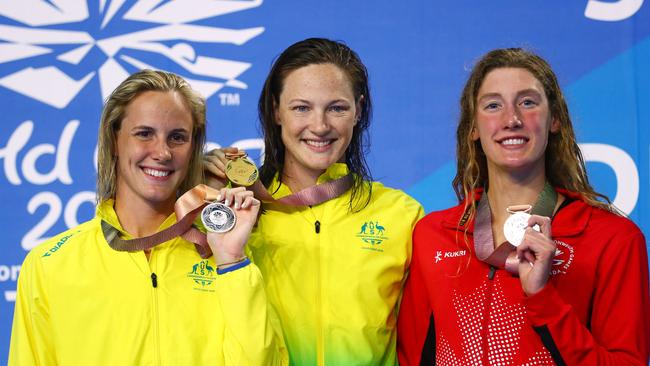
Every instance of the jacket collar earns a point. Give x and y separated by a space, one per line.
106 212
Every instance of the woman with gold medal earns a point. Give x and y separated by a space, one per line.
532 267
333 246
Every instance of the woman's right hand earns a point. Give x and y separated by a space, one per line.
229 246
214 165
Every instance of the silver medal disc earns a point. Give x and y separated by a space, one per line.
515 227
218 218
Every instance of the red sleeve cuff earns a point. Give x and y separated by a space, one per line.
546 306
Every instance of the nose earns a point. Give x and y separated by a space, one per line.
320 125
163 152
514 119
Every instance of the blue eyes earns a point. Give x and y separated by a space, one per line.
339 108
174 137
526 103
334 108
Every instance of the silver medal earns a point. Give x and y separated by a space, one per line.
218 218
515 227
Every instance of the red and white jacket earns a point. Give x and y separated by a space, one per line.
595 309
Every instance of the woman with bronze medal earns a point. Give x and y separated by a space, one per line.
333 246
129 287
533 267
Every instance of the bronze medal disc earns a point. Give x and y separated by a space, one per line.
241 171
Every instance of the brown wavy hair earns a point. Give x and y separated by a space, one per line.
111 121
316 51
564 164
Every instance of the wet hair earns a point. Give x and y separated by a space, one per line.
113 114
564 164
318 51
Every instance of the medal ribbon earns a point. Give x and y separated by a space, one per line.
186 208
504 256
309 196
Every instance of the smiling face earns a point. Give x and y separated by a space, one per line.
153 148
513 121
317 113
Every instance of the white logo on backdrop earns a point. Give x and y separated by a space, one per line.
169 34
609 11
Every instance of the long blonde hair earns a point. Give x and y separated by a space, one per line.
111 121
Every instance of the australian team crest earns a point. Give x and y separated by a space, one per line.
203 274
372 232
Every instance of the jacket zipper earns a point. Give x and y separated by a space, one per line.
155 315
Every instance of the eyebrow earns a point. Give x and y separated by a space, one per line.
519 93
147 127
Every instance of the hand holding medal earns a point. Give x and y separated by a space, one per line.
229 220
214 164
535 251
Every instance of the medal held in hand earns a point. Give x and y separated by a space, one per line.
515 227
218 218
240 170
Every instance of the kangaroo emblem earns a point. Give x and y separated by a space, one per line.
363 228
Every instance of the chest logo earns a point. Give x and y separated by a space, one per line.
564 255
202 274
440 255
372 233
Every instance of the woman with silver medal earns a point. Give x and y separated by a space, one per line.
333 245
533 266
139 283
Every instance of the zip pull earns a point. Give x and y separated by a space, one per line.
317 226
154 280
492 272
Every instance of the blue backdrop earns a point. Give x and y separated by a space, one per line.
60 58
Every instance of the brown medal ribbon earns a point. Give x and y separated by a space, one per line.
504 256
187 207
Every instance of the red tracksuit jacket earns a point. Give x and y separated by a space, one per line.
595 309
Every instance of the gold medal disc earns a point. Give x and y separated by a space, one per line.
241 171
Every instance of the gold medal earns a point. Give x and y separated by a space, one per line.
241 171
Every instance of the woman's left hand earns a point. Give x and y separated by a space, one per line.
536 253
229 246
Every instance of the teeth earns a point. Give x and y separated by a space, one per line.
318 143
156 173
512 142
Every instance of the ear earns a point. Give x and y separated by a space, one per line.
474 133
276 114
555 125
358 106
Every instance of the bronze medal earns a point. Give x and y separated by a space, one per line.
241 171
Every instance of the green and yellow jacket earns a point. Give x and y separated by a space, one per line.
335 276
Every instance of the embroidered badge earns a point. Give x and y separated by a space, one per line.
373 233
202 274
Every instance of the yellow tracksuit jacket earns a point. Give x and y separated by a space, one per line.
80 302
336 291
